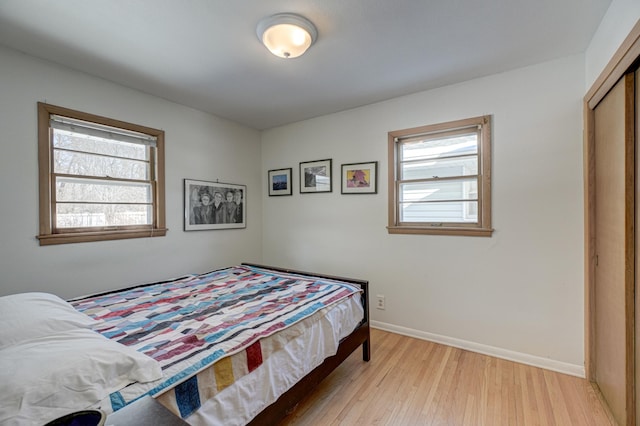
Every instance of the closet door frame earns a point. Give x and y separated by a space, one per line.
623 61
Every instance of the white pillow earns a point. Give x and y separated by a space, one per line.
27 316
46 378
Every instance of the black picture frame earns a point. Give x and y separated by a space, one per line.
223 213
360 178
280 182
315 176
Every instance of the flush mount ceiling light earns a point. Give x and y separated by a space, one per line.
287 35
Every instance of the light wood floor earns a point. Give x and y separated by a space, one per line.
414 382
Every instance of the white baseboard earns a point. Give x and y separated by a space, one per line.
536 361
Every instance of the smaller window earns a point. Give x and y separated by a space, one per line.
440 179
100 179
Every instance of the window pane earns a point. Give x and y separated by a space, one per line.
463 189
76 163
92 190
80 142
446 167
87 215
459 212
442 147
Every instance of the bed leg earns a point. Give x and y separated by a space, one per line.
366 350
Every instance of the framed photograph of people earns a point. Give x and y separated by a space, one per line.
315 176
214 205
280 182
360 178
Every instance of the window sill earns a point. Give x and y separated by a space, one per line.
441 230
83 237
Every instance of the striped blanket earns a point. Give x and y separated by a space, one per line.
193 322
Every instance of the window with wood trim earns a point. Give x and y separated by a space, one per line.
100 179
440 179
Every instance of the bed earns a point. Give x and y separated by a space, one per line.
238 345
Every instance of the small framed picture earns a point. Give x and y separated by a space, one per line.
280 182
315 176
214 205
360 178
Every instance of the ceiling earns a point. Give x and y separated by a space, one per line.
205 54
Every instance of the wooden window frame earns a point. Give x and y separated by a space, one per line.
48 234
482 228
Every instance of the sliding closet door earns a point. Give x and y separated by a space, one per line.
614 282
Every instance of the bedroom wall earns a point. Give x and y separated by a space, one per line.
198 146
518 294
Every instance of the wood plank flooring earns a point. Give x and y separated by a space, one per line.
414 382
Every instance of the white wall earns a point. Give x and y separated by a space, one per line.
198 146
620 18
518 294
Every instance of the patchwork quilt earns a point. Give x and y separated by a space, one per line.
198 321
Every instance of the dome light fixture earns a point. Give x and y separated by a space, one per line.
286 35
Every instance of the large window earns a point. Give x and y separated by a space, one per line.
440 179
100 179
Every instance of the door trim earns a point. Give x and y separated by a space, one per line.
618 65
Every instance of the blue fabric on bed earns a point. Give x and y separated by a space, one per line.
187 396
117 401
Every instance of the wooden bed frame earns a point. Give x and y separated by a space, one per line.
359 337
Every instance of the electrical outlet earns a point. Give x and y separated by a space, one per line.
380 304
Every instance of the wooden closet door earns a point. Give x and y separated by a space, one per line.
614 315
